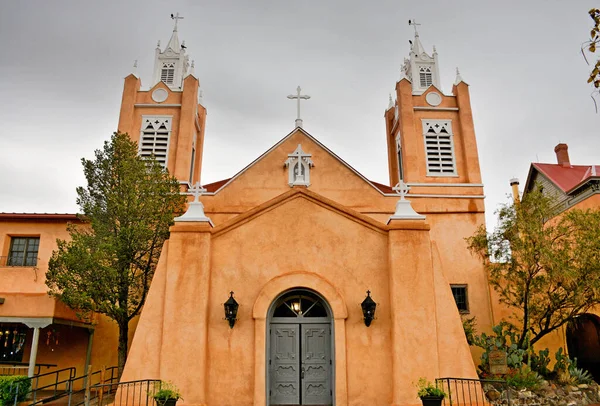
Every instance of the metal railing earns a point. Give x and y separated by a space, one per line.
110 376
132 393
61 383
18 261
473 392
21 368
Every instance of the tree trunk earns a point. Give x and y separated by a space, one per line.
123 341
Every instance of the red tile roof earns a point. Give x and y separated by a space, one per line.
382 187
213 187
568 177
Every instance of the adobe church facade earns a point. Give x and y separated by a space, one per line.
299 237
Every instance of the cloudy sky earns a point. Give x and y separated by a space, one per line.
62 65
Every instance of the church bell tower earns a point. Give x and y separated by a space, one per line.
430 134
167 120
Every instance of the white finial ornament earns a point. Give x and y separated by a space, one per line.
404 210
201 97
195 211
458 77
298 96
135 69
158 44
391 103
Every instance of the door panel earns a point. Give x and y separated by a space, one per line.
316 364
284 364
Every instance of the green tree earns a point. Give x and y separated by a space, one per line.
591 45
108 263
544 265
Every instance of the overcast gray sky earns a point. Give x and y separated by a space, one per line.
62 65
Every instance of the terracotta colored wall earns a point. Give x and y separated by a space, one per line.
25 294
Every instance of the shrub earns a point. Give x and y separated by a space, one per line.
580 375
11 385
426 388
540 361
469 325
524 378
167 390
503 339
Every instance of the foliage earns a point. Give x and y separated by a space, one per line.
524 378
469 326
11 385
503 339
540 361
543 266
567 372
563 362
580 375
426 388
167 391
107 266
591 46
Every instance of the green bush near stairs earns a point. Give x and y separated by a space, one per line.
11 385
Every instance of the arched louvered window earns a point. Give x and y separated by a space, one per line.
155 137
425 76
439 147
167 73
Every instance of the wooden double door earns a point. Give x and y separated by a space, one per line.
300 366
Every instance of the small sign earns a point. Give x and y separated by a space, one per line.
498 364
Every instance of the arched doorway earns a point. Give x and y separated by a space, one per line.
299 350
583 343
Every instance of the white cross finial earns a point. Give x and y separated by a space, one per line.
298 96
176 17
414 23
402 189
197 190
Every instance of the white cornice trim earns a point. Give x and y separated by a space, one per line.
446 184
155 105
436 108
438 196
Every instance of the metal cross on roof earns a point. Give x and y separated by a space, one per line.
176 17
298 96
402 189
414 23
197 190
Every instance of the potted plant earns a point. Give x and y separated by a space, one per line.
430 394
167 394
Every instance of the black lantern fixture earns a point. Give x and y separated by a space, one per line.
368 309
231 309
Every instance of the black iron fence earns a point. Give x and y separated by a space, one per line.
132 393
54 385
474 392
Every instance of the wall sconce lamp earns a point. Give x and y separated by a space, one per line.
368 309
231 309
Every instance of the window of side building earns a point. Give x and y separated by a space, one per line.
461 297
23 251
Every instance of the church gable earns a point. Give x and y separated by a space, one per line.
298 160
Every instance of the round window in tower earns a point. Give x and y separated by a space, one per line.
433 98
160 95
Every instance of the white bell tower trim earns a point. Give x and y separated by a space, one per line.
299 164
421 68
171 65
